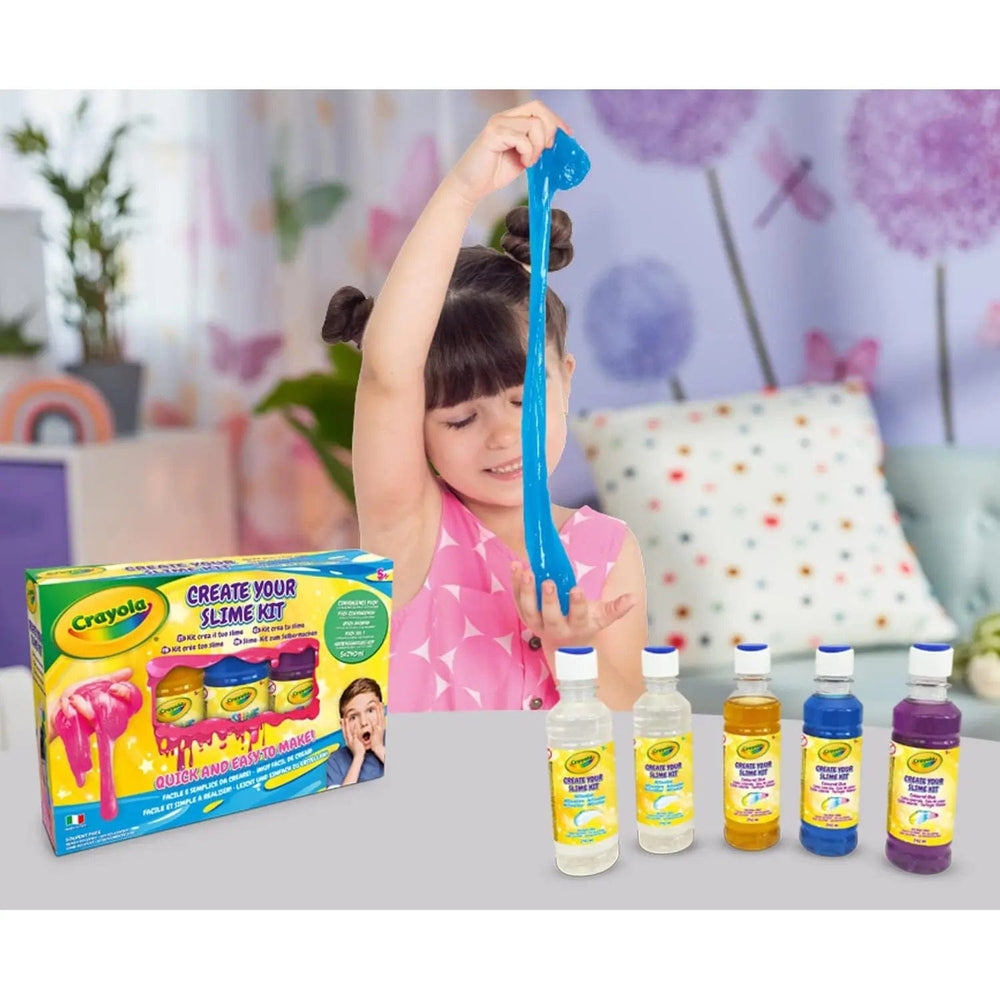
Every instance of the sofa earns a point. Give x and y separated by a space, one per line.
948 500
758 514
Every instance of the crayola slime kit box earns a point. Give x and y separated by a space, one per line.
171 693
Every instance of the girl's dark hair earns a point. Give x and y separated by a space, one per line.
479 346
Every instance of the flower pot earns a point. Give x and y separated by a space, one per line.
121 385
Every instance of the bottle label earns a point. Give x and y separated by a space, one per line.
751 766
831 782
664 785
584 794
922 785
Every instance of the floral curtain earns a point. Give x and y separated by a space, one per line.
251 209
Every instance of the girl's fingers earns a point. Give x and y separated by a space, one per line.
529 601
610 611
523 589
519 139
578 610
536 132
552 614
545 114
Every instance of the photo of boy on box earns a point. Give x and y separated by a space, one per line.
362 721
437 456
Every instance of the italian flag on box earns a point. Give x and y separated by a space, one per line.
77 819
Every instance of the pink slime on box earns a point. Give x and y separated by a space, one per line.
183 740
100 707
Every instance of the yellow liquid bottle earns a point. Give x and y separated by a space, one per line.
751 722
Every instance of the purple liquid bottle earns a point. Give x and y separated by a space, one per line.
923 766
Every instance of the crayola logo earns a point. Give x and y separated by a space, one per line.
31 596
660 753
581 763
108 622
924 762
171 711
301 693
238 699
751 749
833 753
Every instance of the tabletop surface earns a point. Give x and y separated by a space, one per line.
461 820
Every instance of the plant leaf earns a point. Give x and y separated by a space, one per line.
341 476
346 362
501 227
329 398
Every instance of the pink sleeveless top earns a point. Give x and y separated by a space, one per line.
459 644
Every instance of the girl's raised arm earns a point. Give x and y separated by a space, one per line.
398 503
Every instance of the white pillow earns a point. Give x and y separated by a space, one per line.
763 517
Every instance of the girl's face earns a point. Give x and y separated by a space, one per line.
476 446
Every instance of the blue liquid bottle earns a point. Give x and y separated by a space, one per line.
831 757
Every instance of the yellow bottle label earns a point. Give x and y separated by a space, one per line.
237 703
751 768
664 785
181 710
831 782
922 785
584 794
287 696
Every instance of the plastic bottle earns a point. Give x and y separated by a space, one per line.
751 720
582 768
661 727
923 766
831 757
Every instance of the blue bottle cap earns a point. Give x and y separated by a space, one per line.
231 670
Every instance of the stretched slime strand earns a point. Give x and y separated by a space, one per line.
558 169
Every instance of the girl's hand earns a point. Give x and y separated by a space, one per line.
511 142
579 627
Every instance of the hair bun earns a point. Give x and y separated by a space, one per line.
517 243
346 316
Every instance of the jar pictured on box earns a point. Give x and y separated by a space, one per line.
293 681
235 689
180 698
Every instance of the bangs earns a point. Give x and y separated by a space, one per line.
479 349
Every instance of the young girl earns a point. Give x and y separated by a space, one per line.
437 457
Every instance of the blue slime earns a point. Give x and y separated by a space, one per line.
558 169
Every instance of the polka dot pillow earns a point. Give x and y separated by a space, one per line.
763 517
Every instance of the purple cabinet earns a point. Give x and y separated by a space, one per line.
34 532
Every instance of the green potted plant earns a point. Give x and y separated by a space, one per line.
12 340
320 406
17 354
97 214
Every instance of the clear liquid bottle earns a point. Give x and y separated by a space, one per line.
582 768
831 757
661 728
923 765
751 722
